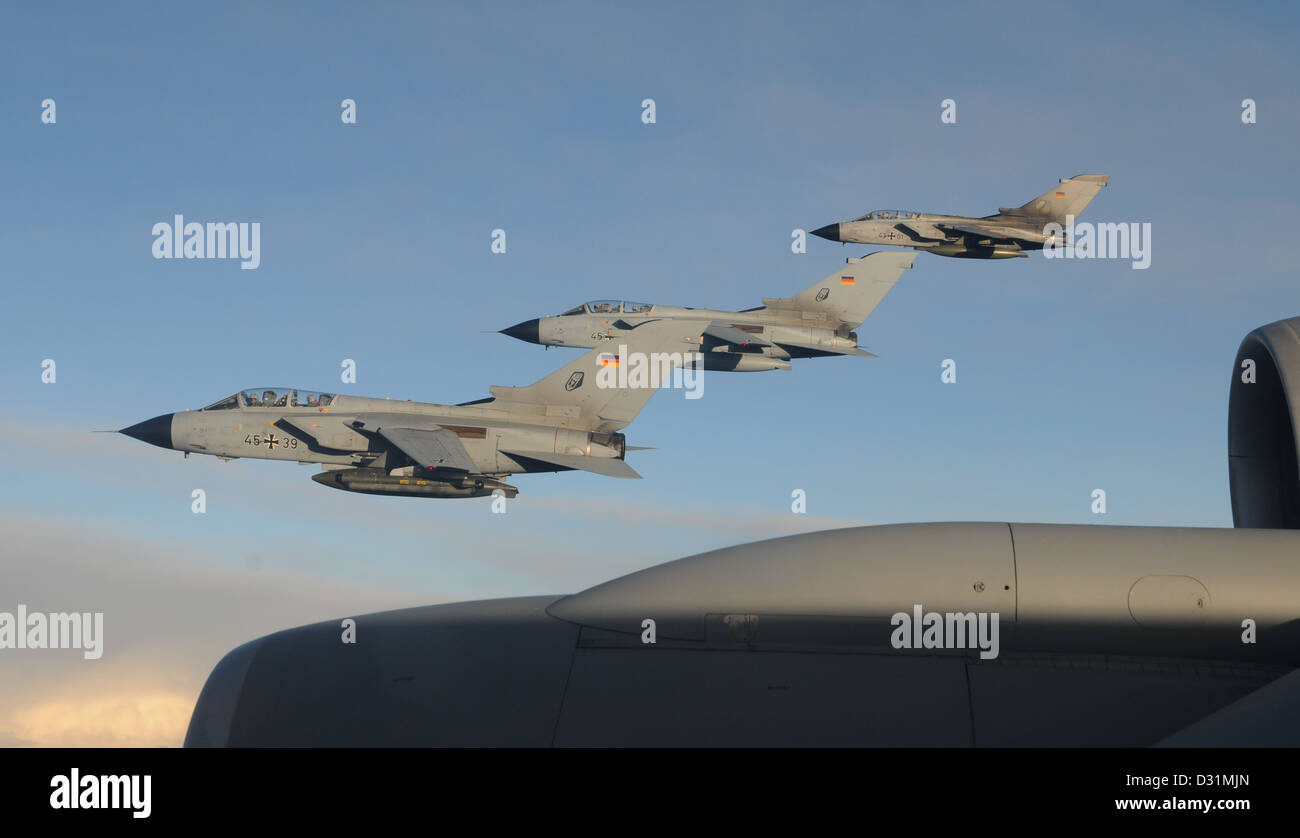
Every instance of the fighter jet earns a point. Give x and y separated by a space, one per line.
1003 236
568 420
817 322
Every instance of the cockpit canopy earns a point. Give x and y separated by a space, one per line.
883 215
610 307
274 397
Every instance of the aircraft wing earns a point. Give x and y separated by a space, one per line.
1265 718
607 466
430 447
922 230
727 333
996 231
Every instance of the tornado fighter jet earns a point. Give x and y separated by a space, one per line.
568 420
1008 234
817 322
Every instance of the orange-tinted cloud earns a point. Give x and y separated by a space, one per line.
146 720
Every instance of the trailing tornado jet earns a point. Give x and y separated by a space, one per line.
818 322
1009 233
568 420
939 634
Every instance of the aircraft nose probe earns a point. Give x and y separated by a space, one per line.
155 431
525 331
831 232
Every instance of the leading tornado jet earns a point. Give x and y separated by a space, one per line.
1008 234
569 420
815 323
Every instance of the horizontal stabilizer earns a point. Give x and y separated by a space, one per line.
607 466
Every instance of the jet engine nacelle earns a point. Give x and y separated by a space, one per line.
1263 405
606 444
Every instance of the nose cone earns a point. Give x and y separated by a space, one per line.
831 232
525 331
155 431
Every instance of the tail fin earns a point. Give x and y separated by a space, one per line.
853 292
1069 198
583 393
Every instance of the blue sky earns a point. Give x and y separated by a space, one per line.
1072 375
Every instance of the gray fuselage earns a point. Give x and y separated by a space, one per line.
921 231
331 435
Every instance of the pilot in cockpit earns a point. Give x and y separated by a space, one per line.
252 400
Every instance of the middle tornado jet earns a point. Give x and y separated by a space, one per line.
817 322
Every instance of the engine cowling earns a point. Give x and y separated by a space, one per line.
1263 406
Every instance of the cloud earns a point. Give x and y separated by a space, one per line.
169 616
172 609
750 524
146 720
